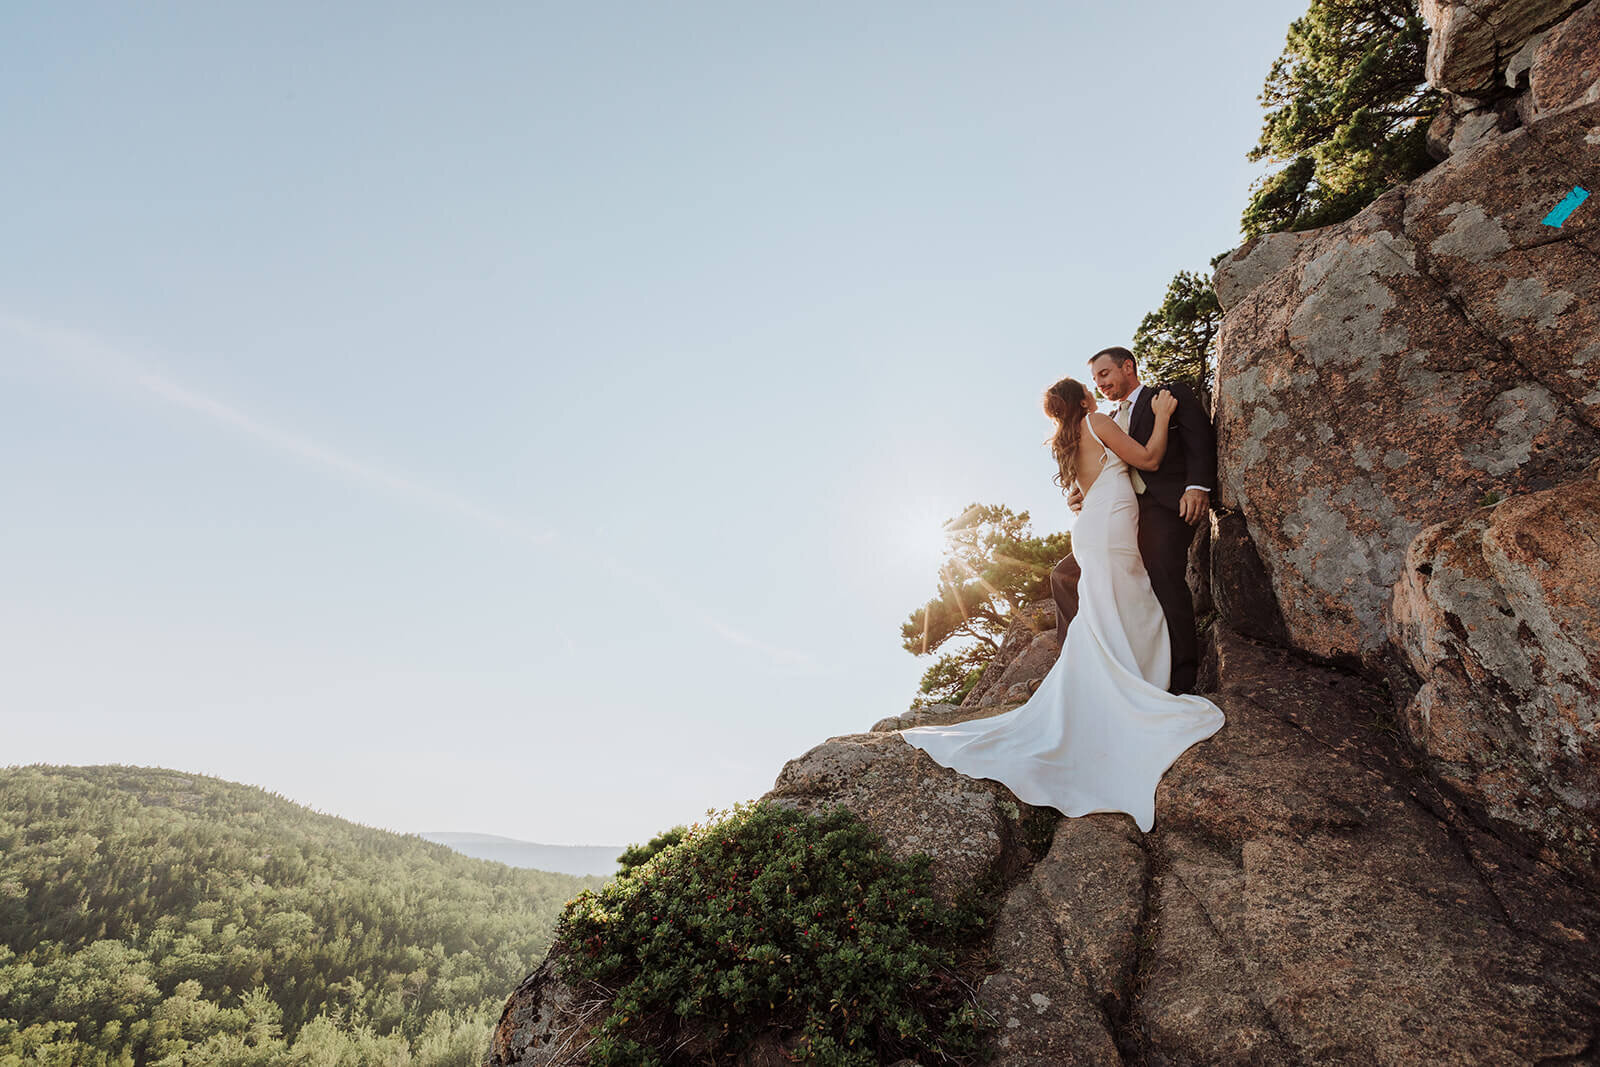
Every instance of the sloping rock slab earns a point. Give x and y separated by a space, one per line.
932 715
1065 942
1316 901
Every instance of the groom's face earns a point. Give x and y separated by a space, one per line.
1114 380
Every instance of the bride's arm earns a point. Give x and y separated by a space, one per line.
1147 457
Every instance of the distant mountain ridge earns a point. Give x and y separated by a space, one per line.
562 859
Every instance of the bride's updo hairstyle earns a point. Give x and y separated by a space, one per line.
1063 402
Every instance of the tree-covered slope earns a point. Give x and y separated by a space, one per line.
151 914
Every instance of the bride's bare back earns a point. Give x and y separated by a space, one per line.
1092 455
1100 437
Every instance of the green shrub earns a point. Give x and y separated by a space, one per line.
635 855
764 918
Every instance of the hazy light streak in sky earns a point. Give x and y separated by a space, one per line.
108 363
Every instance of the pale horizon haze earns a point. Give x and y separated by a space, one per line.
536 419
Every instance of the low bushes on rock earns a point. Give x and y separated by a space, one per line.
768 921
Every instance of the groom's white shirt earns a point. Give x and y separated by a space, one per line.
1133 402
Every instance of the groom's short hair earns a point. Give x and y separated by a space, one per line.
1118 353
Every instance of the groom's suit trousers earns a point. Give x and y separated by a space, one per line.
1164 540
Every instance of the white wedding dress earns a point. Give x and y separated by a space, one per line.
1102 729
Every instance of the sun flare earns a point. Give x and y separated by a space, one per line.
920 536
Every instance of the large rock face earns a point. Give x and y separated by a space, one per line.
1551 71
1393 371
1320 902
1471 40
1564 71
1499 614
1381 381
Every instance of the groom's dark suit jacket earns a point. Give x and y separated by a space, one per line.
1191 457
1164 538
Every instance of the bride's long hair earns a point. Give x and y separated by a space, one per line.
1063 402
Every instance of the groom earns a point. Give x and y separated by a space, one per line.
1173 499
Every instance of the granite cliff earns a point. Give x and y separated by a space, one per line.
1389 853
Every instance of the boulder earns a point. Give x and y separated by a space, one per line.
1064 945
1395 369
1499 616
1471 40
929 715
1031 637
545 1023
1565 69
971 828
1043 1016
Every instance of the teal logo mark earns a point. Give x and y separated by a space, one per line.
1559 213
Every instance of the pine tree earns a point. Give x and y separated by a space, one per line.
1349 109
994 566
1175 342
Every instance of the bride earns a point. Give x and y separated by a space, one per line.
1102 729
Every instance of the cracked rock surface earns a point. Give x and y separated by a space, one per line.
1030 641
1565 68
1394 370
1499 615
1318 901
1470 40
1307 895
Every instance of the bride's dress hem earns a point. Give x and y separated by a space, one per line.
1099 733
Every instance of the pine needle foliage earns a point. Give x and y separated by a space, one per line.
993 567
154 917
767 919
1177 341
1348 112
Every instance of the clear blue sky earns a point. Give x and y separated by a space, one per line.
536 418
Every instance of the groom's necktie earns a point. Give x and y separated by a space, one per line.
1124 409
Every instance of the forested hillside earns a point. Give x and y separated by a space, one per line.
151 916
